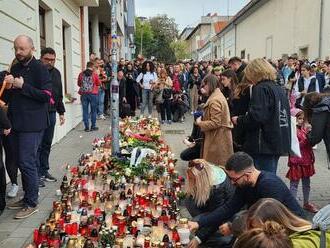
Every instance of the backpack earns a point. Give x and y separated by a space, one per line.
321 221
87 83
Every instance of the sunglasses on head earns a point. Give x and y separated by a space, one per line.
198 166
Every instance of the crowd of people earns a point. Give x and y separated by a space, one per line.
246 116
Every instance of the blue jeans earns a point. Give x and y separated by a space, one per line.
26 145
100 107
89 100
266 162
45 146
147 97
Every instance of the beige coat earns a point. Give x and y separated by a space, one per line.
216 126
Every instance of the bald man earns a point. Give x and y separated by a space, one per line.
28 97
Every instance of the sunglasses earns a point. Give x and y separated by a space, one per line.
198 166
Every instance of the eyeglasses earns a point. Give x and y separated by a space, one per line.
198 166
236 179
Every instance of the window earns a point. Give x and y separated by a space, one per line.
42 27
303 52
243 54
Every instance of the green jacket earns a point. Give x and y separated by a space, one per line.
308 239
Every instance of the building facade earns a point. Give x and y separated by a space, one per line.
74 28
199 41
277 28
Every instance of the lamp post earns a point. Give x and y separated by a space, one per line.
114 83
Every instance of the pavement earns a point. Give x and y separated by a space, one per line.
18 233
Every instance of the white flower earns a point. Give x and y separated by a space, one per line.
128 172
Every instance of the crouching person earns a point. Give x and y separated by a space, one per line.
208 188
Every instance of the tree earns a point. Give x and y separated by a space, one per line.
156 35
144 34
180 49
163 25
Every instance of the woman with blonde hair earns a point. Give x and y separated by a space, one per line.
164 85
208 187
299 230
267 122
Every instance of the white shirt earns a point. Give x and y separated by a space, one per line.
307 82
146 79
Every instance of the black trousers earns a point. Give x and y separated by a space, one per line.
106 101
165 108
11 159
191 153
2 182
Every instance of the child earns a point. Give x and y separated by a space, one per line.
302 167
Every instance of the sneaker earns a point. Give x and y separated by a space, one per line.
86 129
16 205
149 116
49 178
42 182
94 128
102 117
26 212
310 207
12 193
169 122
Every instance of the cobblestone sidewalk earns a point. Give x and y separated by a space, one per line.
17 233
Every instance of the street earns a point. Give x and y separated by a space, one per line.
17 233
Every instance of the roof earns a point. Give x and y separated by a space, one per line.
218 26
195 29
186 29
243 13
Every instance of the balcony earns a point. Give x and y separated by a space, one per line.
89 3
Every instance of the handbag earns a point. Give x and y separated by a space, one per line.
167 93
295 148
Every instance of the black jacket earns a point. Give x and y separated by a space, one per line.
57 92
122 89
4 121
28 107
240 72
267 122
321 124
219 196
194 81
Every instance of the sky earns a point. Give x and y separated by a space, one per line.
187 12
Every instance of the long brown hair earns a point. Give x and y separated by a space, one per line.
241 88
269 235
269 209
230 74
212 81
311 100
